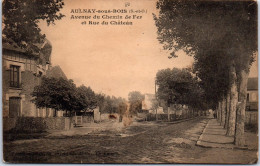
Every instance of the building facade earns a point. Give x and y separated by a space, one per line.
252 101
21 72
252 94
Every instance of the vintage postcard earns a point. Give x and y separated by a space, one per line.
130 81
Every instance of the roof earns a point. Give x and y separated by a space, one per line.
149 95
44 52
252 83
9 44
56 72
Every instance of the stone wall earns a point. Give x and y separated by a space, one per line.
37 123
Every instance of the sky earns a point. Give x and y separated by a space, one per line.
111 59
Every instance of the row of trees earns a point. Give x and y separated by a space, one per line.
62 94
114 104
180 86
222 38
110 104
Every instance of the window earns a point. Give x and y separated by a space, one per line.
30 64
15 76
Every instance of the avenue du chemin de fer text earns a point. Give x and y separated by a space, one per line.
107 17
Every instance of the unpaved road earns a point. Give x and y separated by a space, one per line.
143 142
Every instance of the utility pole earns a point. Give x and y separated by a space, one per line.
156 100
168 112
169 106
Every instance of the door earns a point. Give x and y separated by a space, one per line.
14 107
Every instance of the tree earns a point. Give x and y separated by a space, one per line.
100 101
86 98
55 93
214 78
21 18
229 27
135 99
174 85
122 108
110 104
179 86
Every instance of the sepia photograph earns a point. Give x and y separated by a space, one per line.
130 81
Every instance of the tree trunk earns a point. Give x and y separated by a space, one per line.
240 122
219 112
233 102
223 111
168 114
55 113
47 113
227 108
156 115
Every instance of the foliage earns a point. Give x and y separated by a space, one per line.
21 18
214 76
174 85
58 94
179 86
194 26
100 98
217 33
108 104
86 98
122 107
62 94
135 99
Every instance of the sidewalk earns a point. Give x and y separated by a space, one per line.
214 136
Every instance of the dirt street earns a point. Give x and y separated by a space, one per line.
142 142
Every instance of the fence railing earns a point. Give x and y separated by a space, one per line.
171 117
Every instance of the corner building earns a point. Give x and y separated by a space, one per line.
21 72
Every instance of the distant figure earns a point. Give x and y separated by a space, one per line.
215 114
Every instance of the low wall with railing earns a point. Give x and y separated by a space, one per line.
170 117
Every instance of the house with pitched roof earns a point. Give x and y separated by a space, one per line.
21 72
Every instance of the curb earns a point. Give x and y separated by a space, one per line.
198 143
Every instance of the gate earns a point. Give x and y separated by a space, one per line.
78 120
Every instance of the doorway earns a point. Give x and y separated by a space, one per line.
14 107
